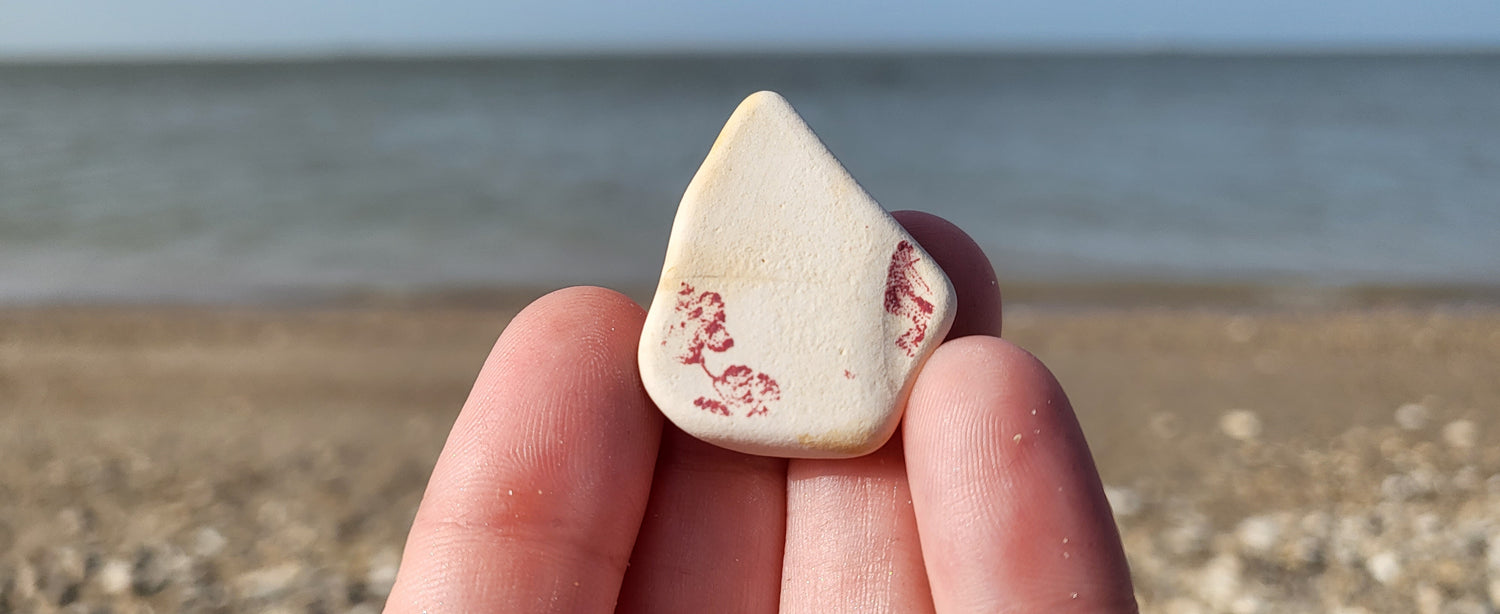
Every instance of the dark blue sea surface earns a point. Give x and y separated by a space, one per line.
238 182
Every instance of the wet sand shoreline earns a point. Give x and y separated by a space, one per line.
1263 456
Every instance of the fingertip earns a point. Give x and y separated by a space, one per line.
967 267
579 308
540 488
575 347
1007 497
989 371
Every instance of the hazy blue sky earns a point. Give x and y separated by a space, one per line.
304 27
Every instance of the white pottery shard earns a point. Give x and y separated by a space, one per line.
793 312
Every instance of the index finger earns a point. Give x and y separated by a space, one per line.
537 496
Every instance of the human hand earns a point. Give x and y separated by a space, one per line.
561 490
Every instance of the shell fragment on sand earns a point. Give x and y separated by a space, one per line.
793 313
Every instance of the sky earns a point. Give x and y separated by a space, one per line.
267 28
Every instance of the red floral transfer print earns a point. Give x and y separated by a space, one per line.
711 406
702 325
744 388
905 295
740 389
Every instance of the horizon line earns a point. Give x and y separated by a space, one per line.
375 54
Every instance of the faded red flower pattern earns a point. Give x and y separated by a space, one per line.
702 325
740 389
711 406
905 295
748 390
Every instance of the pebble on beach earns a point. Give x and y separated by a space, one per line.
1385 567
1412 416
1240 424
114 577
382 575
208 542
1461 434
1258 533
267 582
1123 501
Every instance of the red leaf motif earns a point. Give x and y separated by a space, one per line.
700 329
747 390
701 326
906 296
711 406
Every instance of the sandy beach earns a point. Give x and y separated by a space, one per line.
1269 455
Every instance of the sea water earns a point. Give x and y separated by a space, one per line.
244 181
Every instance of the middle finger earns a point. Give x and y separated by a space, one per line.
851 536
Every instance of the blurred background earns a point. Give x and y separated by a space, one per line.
170 152
251 257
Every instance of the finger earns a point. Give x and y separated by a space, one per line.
711 540
536 498
851 534
966 266
851 537
1010 508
